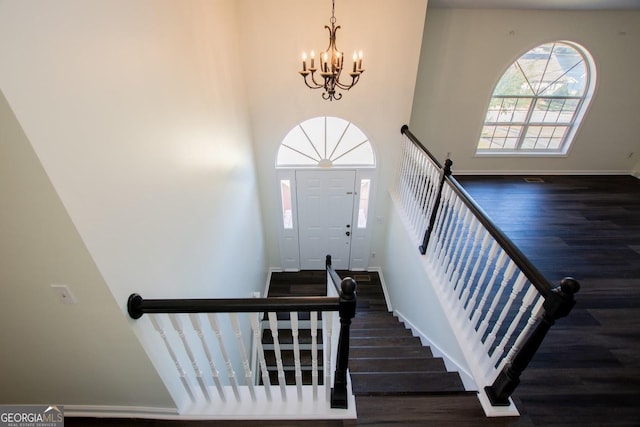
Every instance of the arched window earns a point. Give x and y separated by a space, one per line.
539 102
325 142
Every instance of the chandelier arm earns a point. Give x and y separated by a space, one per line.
315 85
318 85
344 86
311 87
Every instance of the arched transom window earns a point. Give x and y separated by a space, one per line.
539 101
325 142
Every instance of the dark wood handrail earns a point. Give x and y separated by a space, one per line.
137 306
335 278
528 269
405 131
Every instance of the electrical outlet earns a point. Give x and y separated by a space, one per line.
63 293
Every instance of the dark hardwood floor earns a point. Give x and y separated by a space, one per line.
587 372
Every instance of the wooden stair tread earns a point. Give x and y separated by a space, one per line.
288 359
399 331
285 336
397 364
370 384
381 352
397 341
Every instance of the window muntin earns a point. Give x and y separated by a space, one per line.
325 142
539 101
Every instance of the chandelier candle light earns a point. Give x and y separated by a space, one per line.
331 66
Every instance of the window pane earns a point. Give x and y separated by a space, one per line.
522 109
363 205
544 137
285 196
513 82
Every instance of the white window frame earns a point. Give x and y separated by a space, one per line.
572 125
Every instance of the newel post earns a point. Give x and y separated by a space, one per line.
557 304
339 398
446 171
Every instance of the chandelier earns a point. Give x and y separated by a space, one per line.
331 63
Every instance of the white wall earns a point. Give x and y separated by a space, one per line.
137 111
466 51
276 32
83 354
412 295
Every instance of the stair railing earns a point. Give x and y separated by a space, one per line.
499 304
235 325
346 289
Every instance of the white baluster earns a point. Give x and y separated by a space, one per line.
536 314
462 241
403 180
248 375
327 321
435 184
273 325
413 184
468 256
407 176
314 353
484 325
419 212
156 321
447 206
176 321
467 241
423 220
412 187
257 338
515 290
437 237
197 326
296 353
526 302
453 239
474 313
213 321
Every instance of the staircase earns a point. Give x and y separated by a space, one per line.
301 284
384 358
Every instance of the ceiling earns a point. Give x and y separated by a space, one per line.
538 4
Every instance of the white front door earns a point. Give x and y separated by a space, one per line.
325 211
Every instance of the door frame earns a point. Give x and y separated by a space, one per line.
360 245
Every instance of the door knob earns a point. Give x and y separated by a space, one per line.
348 233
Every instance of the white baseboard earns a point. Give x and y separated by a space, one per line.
104 411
